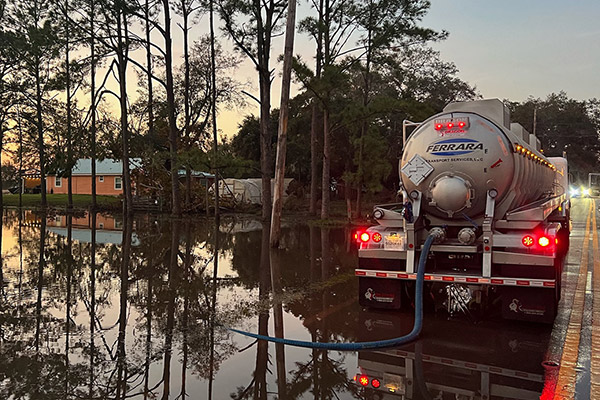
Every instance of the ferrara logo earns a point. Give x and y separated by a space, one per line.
454 147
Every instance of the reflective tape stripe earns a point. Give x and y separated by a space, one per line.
542 283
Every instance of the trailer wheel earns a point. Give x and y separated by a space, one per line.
563 241
559 262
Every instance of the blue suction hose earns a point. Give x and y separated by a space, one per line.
414 334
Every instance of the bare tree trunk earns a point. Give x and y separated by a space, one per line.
173 131
264 75
326 166
122 67
359 173
365 124
149 70
213 79
40 132
314 159
265 145
348 193
283 122
314 123
186 104
69 130
93 104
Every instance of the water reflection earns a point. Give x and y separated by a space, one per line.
95 306
490 360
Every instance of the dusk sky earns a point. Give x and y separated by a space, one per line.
516 48
508 49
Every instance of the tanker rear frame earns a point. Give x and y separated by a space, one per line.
518 261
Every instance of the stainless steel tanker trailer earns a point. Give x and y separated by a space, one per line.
497 206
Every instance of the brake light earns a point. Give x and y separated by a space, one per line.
375 383
450 125
438 127
364 237
528 241
358 235
376 237
462 124
544 241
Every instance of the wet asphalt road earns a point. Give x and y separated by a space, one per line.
572 369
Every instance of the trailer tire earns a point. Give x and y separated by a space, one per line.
558 268
563 241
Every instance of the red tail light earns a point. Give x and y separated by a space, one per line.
544 241
376 237
438 127
541 241
363 380
528 241
364 237
375 383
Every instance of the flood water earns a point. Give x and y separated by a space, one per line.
95 307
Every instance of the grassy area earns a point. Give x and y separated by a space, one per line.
60 201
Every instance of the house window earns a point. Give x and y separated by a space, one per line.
101 178
118 183
57 181
101 225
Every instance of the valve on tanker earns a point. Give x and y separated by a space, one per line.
467 236
439 234
378 213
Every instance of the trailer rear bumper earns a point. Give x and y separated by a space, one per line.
448 278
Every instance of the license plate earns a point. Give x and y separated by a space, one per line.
394 383
393 242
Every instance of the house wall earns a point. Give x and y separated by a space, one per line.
83 185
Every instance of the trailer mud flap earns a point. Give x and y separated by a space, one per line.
380 293
528 304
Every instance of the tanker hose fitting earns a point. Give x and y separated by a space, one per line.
439 234
467 236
